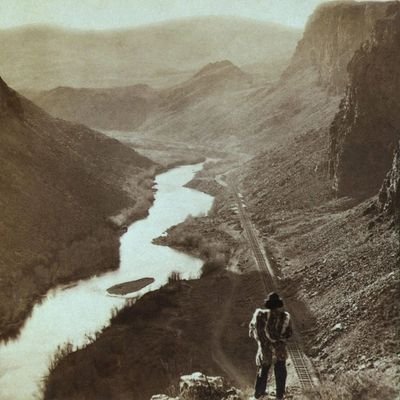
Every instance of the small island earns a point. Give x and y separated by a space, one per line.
130 287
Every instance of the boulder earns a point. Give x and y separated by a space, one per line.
198 386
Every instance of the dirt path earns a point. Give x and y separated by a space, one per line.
219 355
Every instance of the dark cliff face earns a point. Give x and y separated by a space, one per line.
333 33
365 131
9 101
389 195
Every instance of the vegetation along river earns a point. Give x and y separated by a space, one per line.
73 314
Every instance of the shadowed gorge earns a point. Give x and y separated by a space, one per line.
60 185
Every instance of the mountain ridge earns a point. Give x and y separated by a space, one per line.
127 108
60 186
365 131
50 58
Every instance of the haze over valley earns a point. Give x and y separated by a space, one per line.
164 178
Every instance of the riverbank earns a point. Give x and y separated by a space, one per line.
167 154
83 309
79 258
191 325
165 334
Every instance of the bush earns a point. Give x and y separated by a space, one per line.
174 277
356 386
214 263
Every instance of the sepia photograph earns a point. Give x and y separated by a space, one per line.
199 200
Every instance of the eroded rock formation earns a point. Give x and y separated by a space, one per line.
9 102
365 131
333 33
389 195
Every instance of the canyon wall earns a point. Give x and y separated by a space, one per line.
332 35
389 195
366 129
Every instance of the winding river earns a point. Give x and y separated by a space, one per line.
73 314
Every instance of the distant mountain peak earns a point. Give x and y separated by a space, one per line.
223 66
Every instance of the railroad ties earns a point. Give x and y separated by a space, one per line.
300 362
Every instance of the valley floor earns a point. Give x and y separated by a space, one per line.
201 325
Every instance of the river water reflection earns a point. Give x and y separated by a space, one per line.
72 314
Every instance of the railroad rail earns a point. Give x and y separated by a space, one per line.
300 362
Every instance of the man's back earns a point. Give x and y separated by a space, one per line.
271 327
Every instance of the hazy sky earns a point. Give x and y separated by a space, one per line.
104 14
99 14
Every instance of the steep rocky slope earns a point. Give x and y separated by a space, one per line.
220 104
214 78
160 54
389 195
59 186
367 127
333 33
342 253
248 118
305 99
127 108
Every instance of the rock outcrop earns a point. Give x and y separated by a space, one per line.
389 195
9 101
201 387
332 35
366 129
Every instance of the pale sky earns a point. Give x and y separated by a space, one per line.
114 14
110 14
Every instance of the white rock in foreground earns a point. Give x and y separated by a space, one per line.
199 379
163 397
201 387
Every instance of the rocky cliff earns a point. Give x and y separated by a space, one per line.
9 102
389 195
60 183
365 131
332 35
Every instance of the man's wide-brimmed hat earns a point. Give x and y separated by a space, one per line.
273 301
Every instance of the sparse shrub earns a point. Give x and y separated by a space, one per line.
61 352
356 386
174 277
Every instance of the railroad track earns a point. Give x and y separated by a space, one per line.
300 362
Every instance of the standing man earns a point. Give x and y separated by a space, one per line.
271 327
